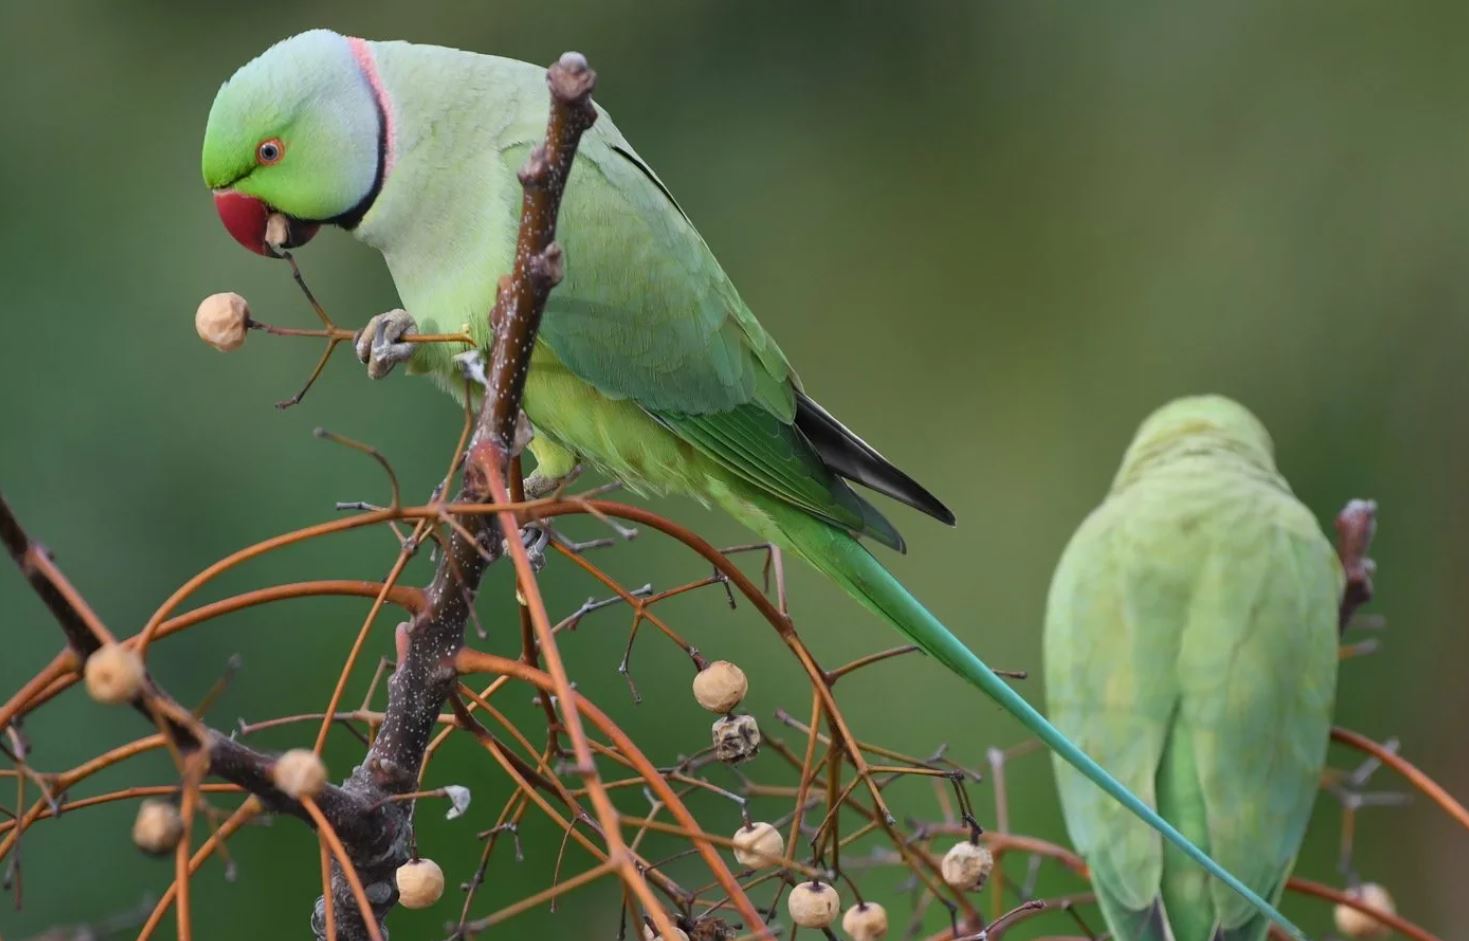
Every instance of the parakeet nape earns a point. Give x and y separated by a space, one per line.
649 366
1191 648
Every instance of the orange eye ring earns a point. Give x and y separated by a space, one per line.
270 152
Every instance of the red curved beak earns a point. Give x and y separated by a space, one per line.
245 218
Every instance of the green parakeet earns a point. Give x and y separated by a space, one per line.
649 367
1191 647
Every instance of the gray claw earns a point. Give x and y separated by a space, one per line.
535 537
379 343
471 365
538 485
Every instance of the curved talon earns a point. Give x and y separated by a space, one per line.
535 537
539 485
379 344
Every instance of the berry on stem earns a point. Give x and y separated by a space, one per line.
299 773
221 321
758 845
420 883
813 904
114 674
720 686
966 866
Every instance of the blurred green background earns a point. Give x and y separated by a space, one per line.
991 236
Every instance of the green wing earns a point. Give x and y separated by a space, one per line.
774 456
1191 648
647 314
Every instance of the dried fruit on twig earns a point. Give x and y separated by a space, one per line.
813 904
299 773
736 738
277 232
114 674
222 320
1355 924
758 845
678 934
420 883
720 686
866 921
710 928
967 865
158 827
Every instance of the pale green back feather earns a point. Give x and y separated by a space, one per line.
1191 647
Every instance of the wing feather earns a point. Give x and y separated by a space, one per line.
647 314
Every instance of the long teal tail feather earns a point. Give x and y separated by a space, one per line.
838 555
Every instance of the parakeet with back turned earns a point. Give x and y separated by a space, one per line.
1191 648
649 366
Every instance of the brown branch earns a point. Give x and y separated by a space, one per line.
425 676
410 599
349 874
83 630
369 830
539 265
228 759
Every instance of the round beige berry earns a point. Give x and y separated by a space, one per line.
158 827
1355 924
813 904
736 738
967 865
866 921
114 674
277 231
720 686
678 934
222 320
758 845
299 773
420 883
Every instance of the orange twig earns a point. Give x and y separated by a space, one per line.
60 665
329 908
1400 925
473 661
242 815
1430 788
349 872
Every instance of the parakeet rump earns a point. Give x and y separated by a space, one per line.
649 366
1191 648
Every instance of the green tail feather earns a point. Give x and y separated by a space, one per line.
844 560
1149 924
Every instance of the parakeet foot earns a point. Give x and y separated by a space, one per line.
539 485
535 537
379 344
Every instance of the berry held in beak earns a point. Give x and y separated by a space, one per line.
247 219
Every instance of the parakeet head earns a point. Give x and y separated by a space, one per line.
1200 422
300 130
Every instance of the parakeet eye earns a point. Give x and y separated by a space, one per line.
270 152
